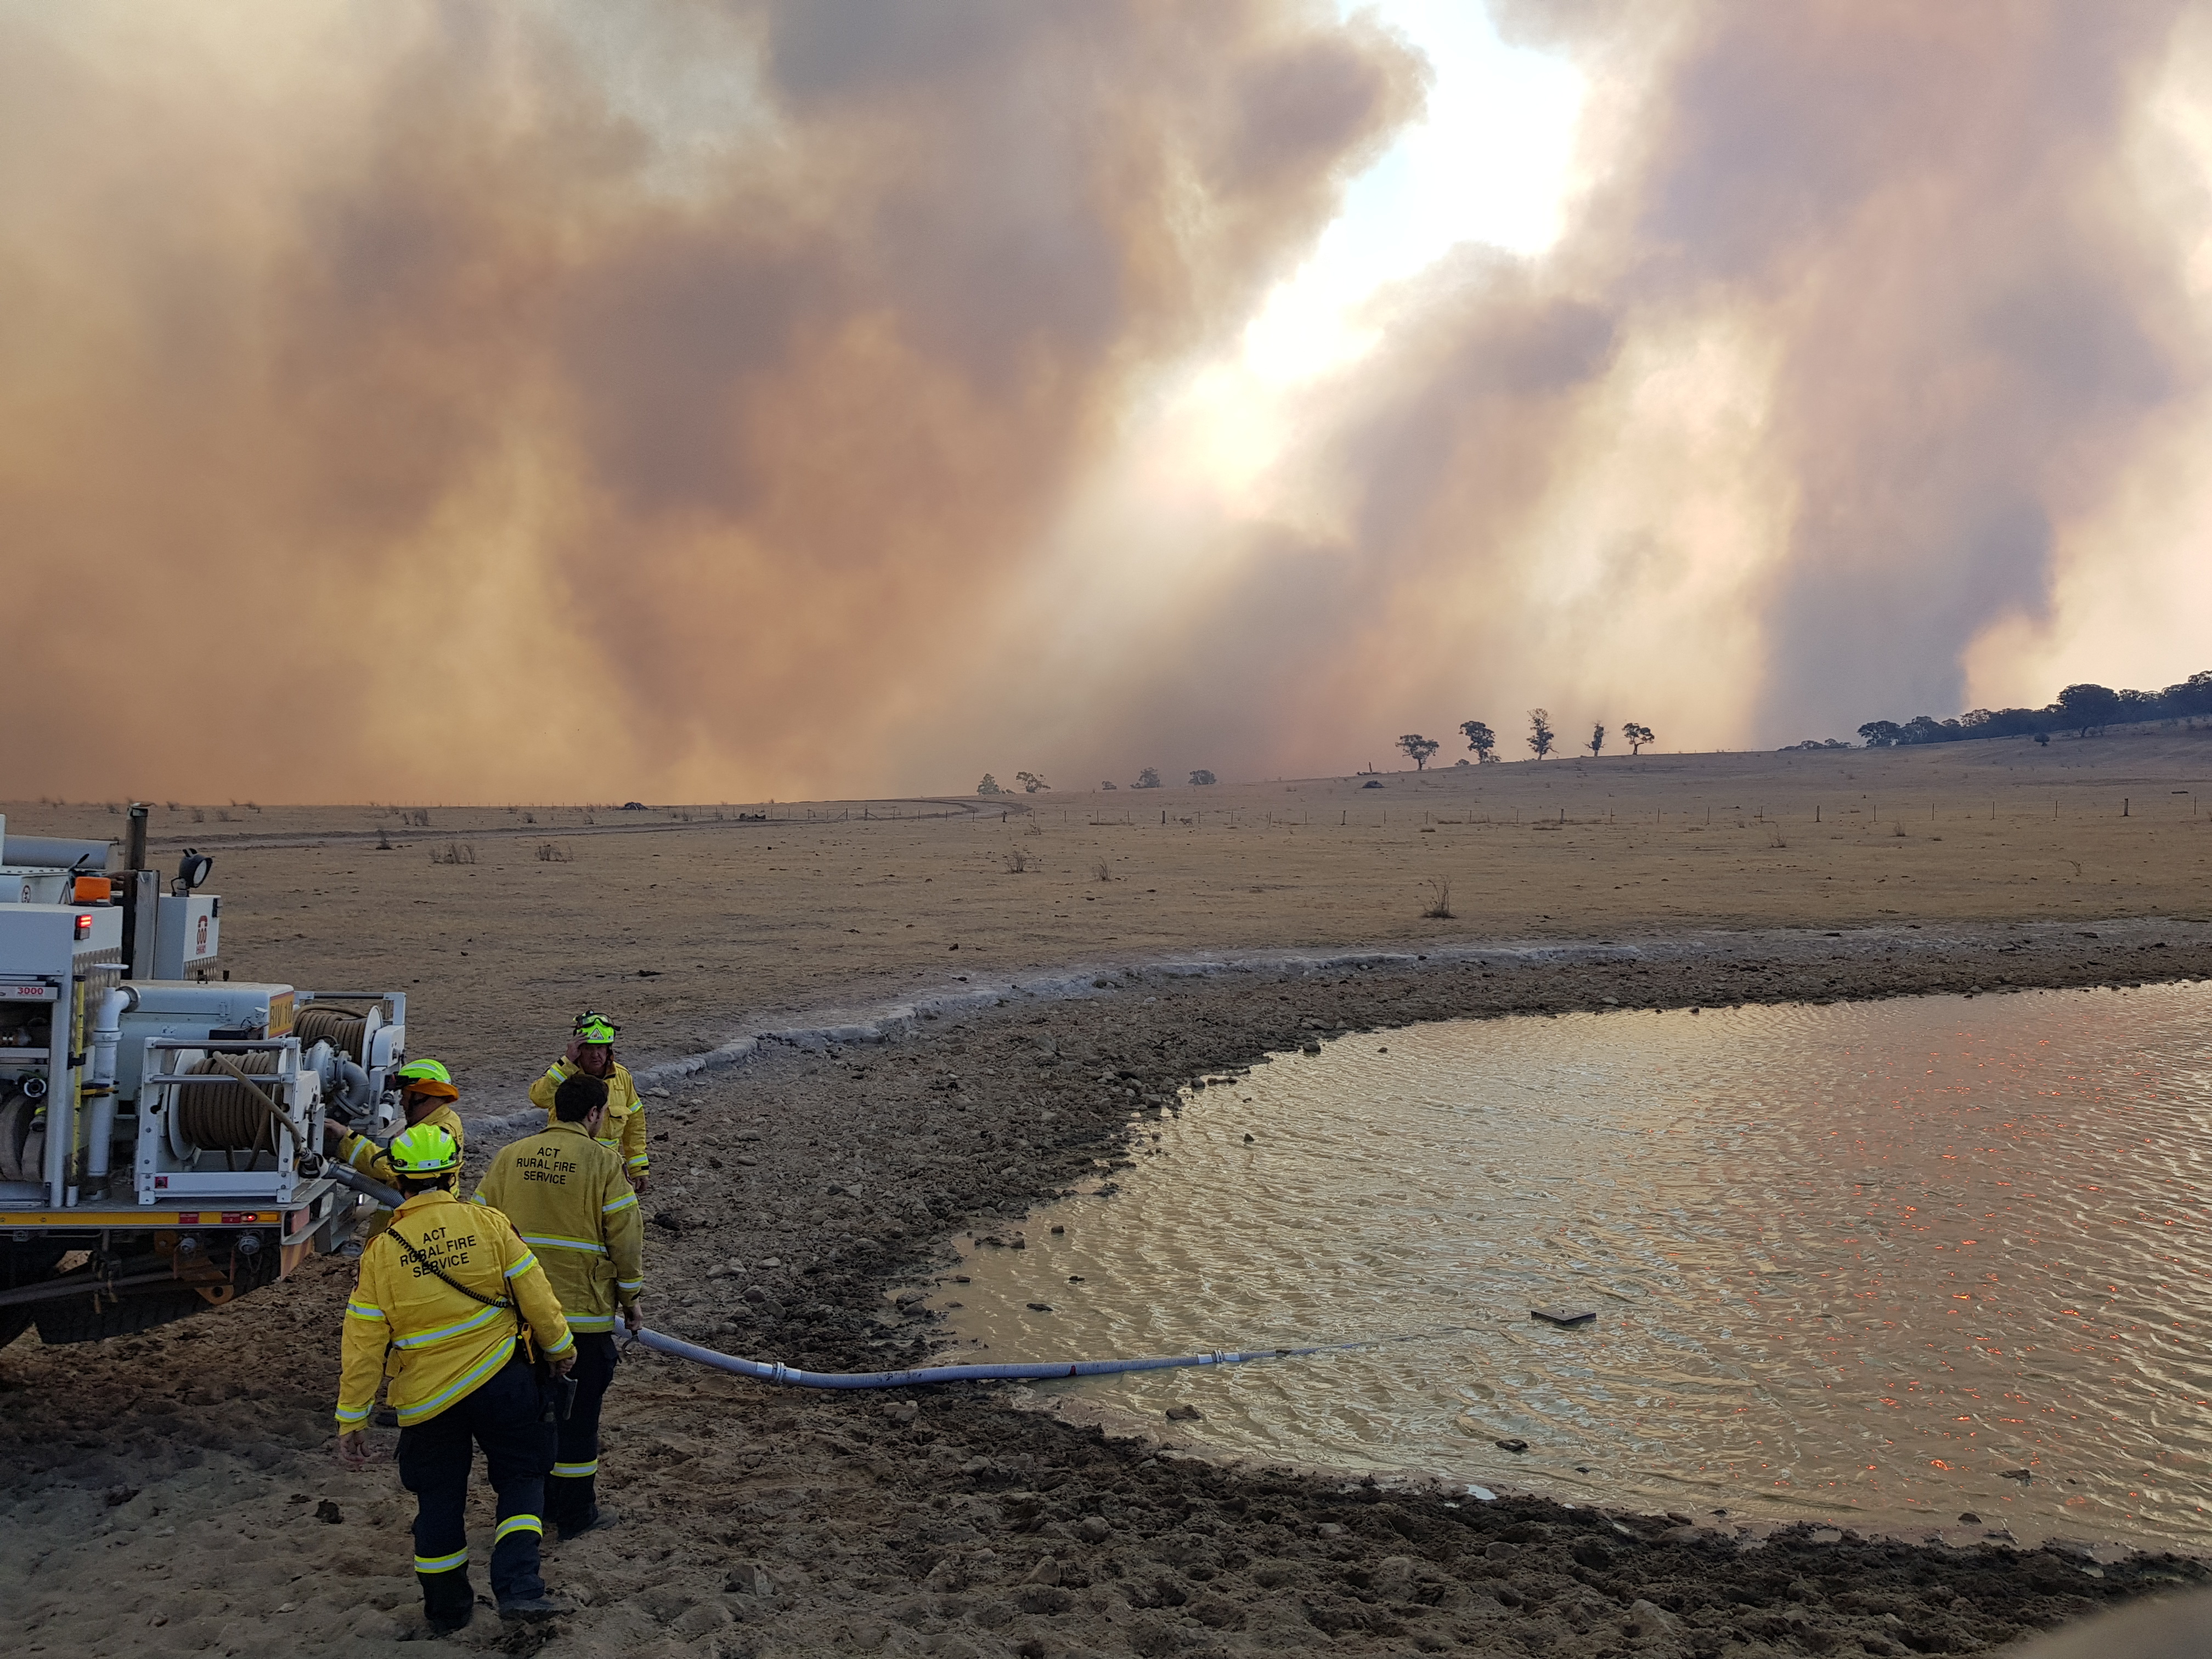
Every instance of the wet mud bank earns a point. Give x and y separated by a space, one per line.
173 1491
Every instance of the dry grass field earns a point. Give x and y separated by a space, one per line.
688 924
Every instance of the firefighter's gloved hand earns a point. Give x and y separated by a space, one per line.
640 1182
334 1134
634 1316
564 1364
353 1449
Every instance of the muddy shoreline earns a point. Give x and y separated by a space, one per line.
801 1184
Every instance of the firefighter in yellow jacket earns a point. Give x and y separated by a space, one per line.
427 1095
592 1052
458 1303
565 1192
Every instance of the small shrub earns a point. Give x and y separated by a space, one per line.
1775 838
1018 862
1101 871
383 839
1440 904
454 852
552 852
420 818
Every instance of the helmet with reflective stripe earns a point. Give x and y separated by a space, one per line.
427 1077
593 1029
427 1149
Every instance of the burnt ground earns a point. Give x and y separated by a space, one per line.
173 1492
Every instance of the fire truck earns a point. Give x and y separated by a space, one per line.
161 1123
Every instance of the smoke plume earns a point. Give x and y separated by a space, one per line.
811 397
481 401
1873 330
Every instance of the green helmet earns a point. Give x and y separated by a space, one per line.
427 1077
589 1030
425 1150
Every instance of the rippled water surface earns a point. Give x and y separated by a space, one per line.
1857 1261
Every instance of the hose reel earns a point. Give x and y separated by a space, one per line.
346 1030
334 1040
227 1117
23 1132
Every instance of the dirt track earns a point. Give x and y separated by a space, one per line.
178 1478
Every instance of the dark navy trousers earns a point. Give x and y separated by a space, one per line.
507 1418
571 1496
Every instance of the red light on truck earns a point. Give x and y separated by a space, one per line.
84 927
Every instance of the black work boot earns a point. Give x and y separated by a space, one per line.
536 1609
571 1504
600 1519
448 1602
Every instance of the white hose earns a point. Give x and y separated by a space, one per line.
776 1371
106 1038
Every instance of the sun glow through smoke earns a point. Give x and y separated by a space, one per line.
809 397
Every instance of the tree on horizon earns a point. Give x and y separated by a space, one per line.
1419 749
1479 738
1597 740
1540 735
1636 736
2091 708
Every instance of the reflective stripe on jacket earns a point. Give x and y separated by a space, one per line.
443 1345
572 1205
623 1133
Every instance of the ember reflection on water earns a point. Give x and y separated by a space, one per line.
1892 1262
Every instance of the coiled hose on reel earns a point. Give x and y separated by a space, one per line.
346 1030
230 1117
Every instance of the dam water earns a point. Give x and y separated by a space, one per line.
1892 1263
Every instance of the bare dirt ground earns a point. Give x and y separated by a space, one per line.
174 1493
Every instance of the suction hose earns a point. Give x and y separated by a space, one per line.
774 1371
346 1176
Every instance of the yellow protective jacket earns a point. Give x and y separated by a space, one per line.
443 1345
623 1133
372 1160
572 1205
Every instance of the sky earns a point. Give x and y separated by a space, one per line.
733 399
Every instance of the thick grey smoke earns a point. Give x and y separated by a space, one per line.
423 400
724 399
1863 310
